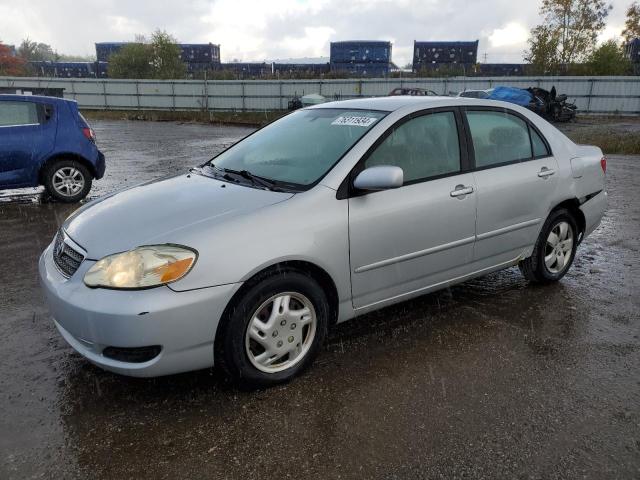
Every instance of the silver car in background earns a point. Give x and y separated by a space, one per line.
328 213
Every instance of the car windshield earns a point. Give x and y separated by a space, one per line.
300 148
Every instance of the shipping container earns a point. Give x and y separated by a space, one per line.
425 53
307 68
362 69
64 69
105 49
102 69
189 52
632 50
501 69
200 53
361 51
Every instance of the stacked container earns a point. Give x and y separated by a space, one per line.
361 57
64 69
632 50
433 55
200 52
197 56
105 49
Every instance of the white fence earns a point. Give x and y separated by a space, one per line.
598 95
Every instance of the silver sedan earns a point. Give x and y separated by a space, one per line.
328 213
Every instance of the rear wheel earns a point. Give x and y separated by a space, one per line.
67 181
554 250
274 331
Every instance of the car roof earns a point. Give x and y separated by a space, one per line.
14 97
393 103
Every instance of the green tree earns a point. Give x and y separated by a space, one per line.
609 59
31 51
568 34
132 61
632 23
543 50
166 60
159 58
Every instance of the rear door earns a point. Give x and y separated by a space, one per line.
27 134
407 239
515 175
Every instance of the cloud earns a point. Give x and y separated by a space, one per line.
512 34
255 30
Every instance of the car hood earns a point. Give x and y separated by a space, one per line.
157 212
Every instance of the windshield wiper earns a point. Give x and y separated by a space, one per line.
255 179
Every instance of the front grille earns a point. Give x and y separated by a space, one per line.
66 258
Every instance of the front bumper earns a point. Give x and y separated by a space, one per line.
182 323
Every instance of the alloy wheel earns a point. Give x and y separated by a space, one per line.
559 248
68 181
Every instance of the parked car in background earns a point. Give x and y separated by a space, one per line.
46 141
413 92
331 212
475 93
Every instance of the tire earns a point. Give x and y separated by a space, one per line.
544 265
253 331
67 181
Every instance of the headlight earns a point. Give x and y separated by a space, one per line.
142 267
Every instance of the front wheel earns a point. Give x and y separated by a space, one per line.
274 331
67 181
554 250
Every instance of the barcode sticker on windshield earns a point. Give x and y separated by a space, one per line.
354 121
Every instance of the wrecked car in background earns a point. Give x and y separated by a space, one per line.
547 104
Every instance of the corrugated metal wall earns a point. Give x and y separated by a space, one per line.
603 95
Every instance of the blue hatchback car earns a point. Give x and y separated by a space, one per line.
46 141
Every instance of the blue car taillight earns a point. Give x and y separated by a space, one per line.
89 134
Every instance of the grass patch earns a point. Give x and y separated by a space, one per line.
611 141
254 119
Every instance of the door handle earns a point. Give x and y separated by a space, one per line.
461 190
545 172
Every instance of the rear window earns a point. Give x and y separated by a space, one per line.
18 113
83 120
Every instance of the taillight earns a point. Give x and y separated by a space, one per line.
603 164
89 134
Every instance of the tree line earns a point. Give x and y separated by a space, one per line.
565 43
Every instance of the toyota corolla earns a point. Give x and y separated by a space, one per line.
333 211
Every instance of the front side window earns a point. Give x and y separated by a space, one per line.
498 137
425 146
300 148
18 113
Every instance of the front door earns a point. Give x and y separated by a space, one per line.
404 240
23 141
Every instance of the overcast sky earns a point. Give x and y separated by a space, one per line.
255 30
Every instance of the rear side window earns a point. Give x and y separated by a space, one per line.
425 146
18 113
498 137
539 147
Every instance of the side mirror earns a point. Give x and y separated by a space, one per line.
383 177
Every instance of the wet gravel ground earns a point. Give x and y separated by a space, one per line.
494 378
